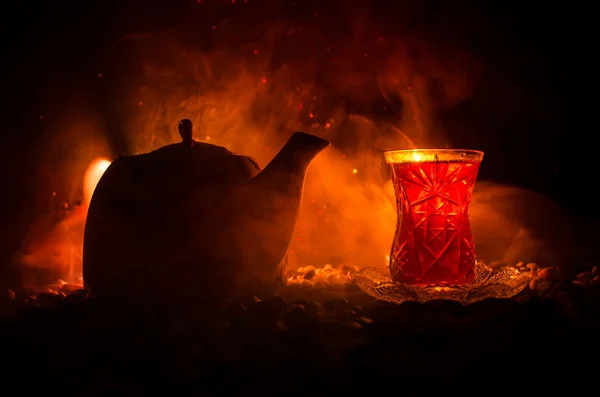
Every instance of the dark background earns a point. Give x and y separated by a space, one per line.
53 50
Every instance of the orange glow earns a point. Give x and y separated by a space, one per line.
60 247
92 176
238 99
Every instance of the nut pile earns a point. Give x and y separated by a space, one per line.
543 279
592 277
545 282
325 277
73 342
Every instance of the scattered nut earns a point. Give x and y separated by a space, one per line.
585 278
549 273
534 283
293 281
532 265
353 325
321 284
307 283
543 285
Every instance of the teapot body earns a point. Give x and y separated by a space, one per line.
193 222
160 225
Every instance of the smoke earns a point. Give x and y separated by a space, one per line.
248 86
251 97
54 246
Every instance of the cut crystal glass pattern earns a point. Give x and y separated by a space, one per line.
433 241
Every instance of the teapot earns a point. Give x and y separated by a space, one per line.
191 222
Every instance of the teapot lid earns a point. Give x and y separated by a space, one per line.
186 131
187 142
198 160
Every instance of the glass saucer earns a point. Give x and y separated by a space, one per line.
500 282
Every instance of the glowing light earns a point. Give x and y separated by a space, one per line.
207 138
103 165
264 80
355 171
92 176
430 155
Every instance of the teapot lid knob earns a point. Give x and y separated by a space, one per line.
185 130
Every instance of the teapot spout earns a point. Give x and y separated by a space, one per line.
282 181
273 201
294 158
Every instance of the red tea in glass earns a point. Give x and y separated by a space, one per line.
433 242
